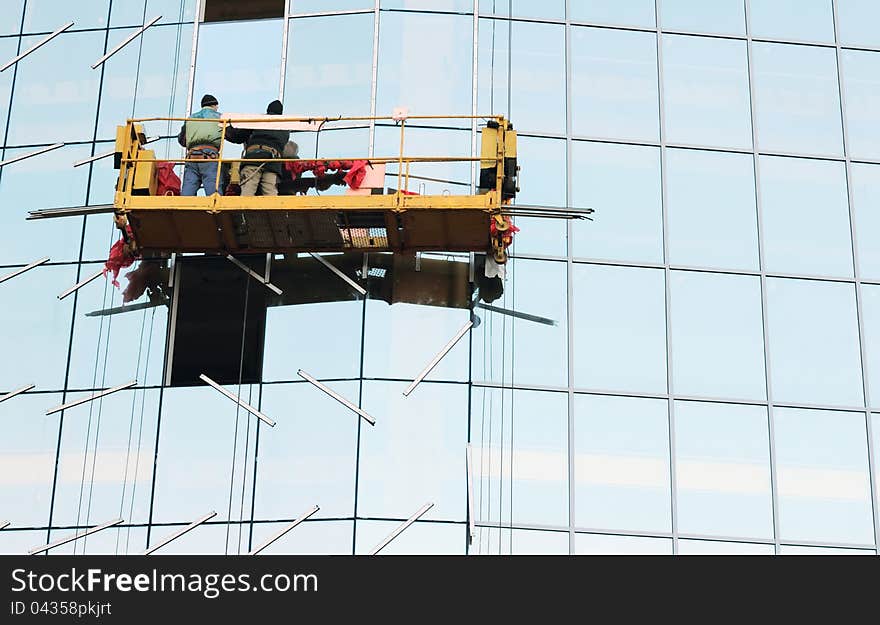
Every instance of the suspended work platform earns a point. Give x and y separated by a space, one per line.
388 215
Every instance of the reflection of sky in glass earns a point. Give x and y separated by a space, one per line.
718 16
804 20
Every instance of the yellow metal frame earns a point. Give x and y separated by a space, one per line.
136 186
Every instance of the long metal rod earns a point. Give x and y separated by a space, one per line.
357 287
23 389
126 41
81 284
284 531
18 272
472 527
4 524
98 157
438 357
179 533
15 159
36 46
71 211
400 529
518 315
336 396
86 400
254 274
73 537
238 401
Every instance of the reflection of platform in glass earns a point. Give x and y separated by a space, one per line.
310 223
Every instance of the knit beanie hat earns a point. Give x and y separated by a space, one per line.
275 108
209 100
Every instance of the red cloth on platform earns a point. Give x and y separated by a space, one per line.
356 174
168 181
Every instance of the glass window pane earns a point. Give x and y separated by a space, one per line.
309 459
860 70
631 13
711 212
429 80
865 180
621 480
28 444
543 183
538 355
19 542
459 6
208 539
722 455
147 78
427 142
538 77
802 20
29 305
538 543
25 241
607 545
312 538
419 539
620 329
806 216
718 16
529 456
717 335
551 9
822 466
814 343
201 432
871 338
797 99
134 13
12 25
705 81
56 82
622 183
875 438
614 84
328 86
715 548
856 22
243 83
105 467
47 15
416 452
318 6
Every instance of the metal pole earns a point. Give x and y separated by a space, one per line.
15 159
438 358
400 529
37 45
127 41
472 531
284 531
238 401
336 396
74 537
357 287
23 389
79 285
86 400
254 274
180 533
18 272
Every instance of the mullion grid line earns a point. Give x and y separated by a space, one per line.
856 272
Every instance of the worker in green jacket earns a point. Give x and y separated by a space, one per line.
202 142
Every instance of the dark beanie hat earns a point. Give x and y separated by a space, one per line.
275 108
209 100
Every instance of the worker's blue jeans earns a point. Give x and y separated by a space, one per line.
196 175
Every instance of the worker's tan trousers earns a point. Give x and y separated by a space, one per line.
253 177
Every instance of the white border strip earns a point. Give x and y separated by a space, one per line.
74 537
180 533
400 529
284 531
18 272
238 401
37 45
438 358
337 397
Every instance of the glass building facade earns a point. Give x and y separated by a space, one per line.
712 383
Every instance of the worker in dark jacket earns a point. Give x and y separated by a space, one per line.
202 142
261 144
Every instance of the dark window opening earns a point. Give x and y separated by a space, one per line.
230 10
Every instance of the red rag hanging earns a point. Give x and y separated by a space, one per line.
118 259
356 174
168 181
